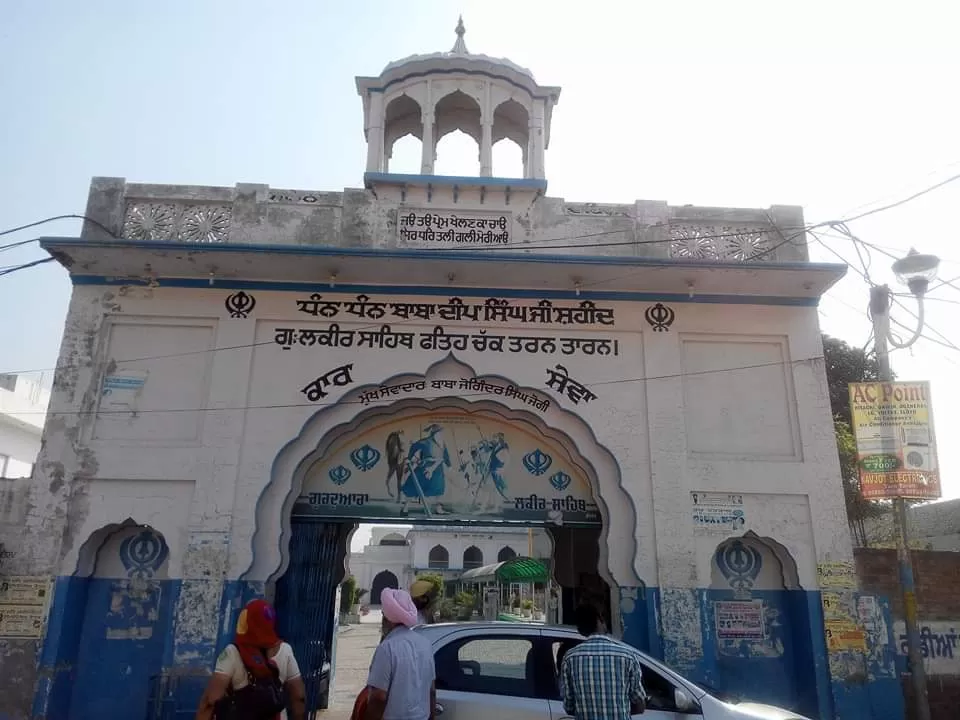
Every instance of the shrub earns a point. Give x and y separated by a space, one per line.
348 591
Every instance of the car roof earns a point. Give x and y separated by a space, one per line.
437 631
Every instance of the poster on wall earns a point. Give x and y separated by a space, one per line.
896 445
837 575
739 619
23 606
717 513
845 635
448 466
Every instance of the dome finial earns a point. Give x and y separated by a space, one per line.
460 47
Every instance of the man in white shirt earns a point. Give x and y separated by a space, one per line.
401 684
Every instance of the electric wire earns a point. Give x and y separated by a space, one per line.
278 406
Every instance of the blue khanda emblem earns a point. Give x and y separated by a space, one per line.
143 554
339 475
537 462
560 481
740 565
365 458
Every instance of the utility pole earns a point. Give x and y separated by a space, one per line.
880 312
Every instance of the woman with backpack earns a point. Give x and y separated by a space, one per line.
257 676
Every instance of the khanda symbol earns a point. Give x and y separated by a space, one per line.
365 458
240 304
560 480
740 564
660 317
339 475
537 462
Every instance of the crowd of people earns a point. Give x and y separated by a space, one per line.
257 677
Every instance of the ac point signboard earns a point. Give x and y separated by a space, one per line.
896 443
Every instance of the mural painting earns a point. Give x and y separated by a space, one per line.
449 466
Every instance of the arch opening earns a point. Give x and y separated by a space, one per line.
381 581
506 553
472 558
511 139
457 135
269 553
439 558
763 622
116 621
509 159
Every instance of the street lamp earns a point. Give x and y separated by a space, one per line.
916 270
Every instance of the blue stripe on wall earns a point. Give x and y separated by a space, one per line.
373 290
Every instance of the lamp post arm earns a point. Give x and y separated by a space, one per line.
916 333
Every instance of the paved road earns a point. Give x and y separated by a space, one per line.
355 646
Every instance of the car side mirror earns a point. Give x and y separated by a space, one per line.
682 701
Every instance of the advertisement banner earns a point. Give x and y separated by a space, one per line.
896 445
740 620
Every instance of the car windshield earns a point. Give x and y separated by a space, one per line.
716 693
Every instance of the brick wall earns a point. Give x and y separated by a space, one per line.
937 578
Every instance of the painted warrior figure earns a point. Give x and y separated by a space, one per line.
427 461
489 458
396 462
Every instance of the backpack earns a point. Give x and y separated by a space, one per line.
259 699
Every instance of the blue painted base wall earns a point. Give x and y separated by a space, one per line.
789 668
109 651
106 639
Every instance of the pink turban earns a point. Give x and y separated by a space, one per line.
398 607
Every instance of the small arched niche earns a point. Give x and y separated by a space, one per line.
439 558
457 124
403 135
752 563
472 558
124 550
511 138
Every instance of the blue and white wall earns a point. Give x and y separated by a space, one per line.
710 442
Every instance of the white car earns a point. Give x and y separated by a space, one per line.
509 671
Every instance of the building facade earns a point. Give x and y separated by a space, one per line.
248 372
395 556
23 408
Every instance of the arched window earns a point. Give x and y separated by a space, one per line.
393 539
506 553
439 558
472 558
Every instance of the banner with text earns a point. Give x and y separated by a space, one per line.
896 444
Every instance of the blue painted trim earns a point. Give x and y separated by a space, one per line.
460 71
408 179
420 255
204 284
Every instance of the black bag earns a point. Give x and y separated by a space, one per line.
259 699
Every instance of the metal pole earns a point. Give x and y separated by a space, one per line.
879 311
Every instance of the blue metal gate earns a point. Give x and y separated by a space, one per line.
305 602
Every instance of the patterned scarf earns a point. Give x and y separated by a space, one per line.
256 633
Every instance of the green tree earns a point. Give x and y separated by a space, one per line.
846 364
348 592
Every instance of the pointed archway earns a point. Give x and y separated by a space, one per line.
381 581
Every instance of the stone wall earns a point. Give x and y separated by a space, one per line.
250 214
937 576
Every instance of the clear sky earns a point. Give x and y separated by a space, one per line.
835 106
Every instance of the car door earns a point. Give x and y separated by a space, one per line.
491 676
661 704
